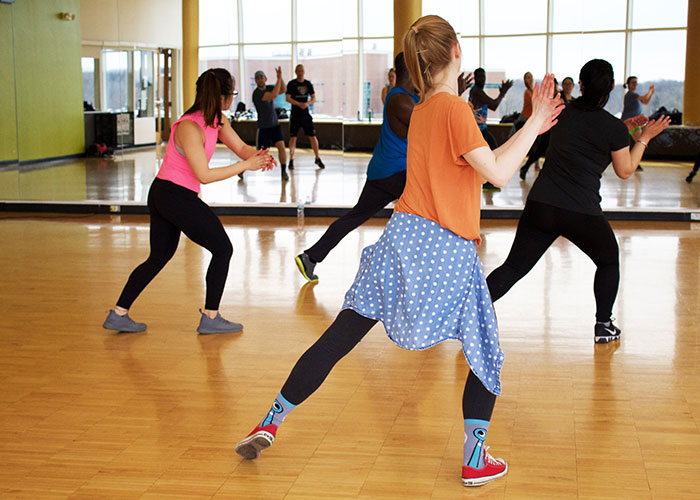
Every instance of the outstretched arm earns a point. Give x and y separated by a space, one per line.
626 161
647 97
278 88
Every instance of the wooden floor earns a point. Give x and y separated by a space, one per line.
87 414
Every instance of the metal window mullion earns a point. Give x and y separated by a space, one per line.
103 78
295 59
241 52
482 23
628 40
550 25
360 60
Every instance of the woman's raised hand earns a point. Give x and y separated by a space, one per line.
636 121
260 160
654 128
546 106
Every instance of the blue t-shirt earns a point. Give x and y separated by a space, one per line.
481 111
389 156
631 106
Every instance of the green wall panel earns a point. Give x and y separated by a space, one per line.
8 123
49 79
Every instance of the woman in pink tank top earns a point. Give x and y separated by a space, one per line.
175 207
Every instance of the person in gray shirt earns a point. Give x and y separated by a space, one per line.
269 130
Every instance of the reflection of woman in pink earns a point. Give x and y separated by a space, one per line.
175 208
391 76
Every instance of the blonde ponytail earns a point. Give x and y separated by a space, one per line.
427 48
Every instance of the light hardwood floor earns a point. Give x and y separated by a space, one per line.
88 414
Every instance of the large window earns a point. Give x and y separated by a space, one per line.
640 38
118 74
346 47
91 81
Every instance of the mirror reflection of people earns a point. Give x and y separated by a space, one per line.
482 103
391 77
175 207
423 279
565 198
386 172
542 143
269 130
300 94
632 103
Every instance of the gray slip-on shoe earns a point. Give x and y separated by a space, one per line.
122 323
208 326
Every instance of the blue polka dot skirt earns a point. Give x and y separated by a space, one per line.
426 285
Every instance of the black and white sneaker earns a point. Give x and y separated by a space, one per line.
319 163
606 332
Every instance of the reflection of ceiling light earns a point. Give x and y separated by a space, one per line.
67 16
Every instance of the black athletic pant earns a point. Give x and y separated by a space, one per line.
695 169
489 138
348 329
541 224
176 209
538 151
376 194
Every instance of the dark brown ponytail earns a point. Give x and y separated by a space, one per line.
211 85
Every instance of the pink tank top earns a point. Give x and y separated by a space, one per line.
175 167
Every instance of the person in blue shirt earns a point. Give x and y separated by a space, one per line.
386 172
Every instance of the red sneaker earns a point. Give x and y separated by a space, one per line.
256 441
494 468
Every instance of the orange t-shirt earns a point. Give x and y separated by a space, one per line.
440 185
527 103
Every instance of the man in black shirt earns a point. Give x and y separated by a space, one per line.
300 94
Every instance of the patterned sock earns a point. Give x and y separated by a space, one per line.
279 411
474 436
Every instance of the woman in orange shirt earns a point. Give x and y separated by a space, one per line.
423 279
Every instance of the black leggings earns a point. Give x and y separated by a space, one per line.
375 195
489 138
538 150
176 209
348 329
541 224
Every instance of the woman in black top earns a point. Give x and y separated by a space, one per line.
565 200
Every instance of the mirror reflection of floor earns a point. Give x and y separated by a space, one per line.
126 177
